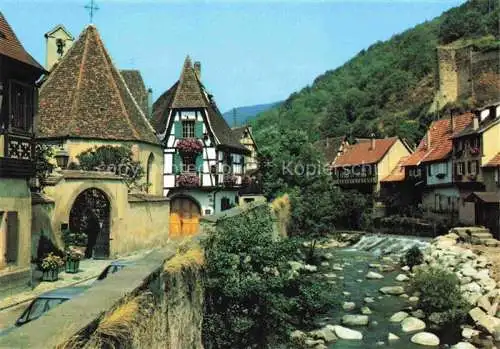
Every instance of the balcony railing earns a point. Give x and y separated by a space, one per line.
16 156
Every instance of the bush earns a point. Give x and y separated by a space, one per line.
413 257
252 297
440 295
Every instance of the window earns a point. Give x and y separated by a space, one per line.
225 204
188 129
460 168
429 171
12 236
21 106
149 171
188 163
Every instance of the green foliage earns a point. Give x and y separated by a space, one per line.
113 159
384 86
74 238
413 257
440 293
252 296
43 167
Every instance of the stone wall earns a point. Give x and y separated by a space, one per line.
465 72
142 306
137 221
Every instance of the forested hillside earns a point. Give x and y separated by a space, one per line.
246 113
386 89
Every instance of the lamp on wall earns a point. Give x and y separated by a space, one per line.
62 158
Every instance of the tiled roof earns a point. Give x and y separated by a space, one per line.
239 131
494 162
135 83
329 147
86 97
441 140
483 126
398 173
189 92
361 153
11 47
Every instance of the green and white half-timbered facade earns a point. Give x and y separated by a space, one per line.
203 158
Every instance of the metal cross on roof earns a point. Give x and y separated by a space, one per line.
92 7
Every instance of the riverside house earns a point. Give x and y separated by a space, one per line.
475 163
363 165
204 159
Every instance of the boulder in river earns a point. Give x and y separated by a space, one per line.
402 277
366 311
425 338
369 300
348 306
347 333
399 316
393 290
412 324
392 337
325 333
355 320
372 275
463 345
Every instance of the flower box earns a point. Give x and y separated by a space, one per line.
72 266
230 181
50 275
189 146
474 151
188 180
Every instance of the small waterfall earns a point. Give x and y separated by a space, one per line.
389 244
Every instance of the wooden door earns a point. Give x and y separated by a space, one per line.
184 217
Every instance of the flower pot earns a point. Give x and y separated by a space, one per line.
50 275
72 266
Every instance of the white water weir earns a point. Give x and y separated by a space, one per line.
389 244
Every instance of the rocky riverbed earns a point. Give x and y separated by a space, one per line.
376 309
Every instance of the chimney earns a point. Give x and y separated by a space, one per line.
428 136
197 69
150 102
475 122
372 141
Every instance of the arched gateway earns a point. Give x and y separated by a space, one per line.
184 216
90 214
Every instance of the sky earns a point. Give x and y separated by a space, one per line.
251 52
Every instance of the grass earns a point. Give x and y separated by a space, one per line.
193 257
118 326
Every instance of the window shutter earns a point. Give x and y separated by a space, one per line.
198 129
178 129
177 163
199 163
12 236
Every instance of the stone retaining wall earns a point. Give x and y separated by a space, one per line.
167 311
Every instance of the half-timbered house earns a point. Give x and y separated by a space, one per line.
203 158
18 93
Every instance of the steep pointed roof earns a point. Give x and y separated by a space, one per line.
135 84
85 96
189 92
11 47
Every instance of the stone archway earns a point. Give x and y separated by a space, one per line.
90 214
185 213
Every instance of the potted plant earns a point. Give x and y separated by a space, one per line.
188 180
189 146
50 267
73 258
77 240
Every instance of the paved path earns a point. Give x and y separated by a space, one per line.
12 306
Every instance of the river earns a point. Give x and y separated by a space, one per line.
355 263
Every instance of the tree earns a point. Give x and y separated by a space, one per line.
113 159
43 167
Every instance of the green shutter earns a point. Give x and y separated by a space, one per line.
199 163
177 163
178 129
198 129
